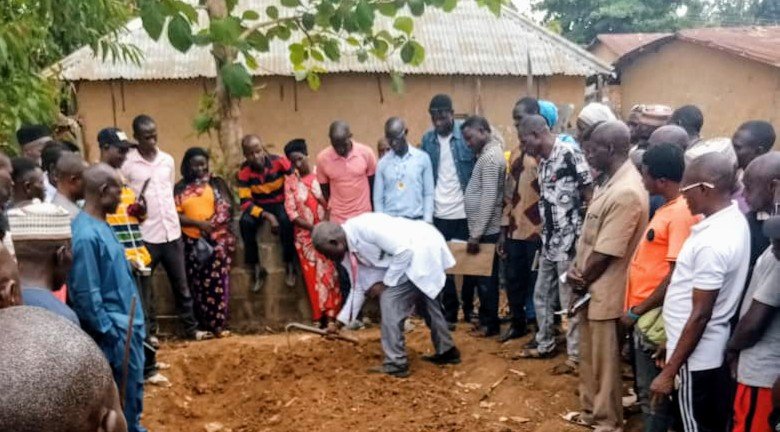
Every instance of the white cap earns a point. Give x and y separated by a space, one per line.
39 221
712 145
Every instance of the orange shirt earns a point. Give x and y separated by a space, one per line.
660 244
200 208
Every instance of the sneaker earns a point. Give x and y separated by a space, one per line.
395 371
162 365
158 379
356 325
408 326
154 342
451 356
201 335
513 333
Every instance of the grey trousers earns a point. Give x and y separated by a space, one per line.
395 303
548 288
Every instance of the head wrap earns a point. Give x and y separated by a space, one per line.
39 221
652 115
549 111
595 112
296 145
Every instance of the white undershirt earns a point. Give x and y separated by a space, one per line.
448 196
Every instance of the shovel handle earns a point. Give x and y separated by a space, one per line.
321 332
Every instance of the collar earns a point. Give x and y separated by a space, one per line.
557 146
619 174
724 213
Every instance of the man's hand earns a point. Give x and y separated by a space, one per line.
627 321
574 298
732 359
376 290
472 247
272 221
662 387
575 279
501 245
660 356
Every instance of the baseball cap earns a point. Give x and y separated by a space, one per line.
772 227
114 137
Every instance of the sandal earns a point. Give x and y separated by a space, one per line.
533 353
576 417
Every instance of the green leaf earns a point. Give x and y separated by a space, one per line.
231 4
352 41
417 7
180 33
297 54
387 9
332 50
283 32
258 41
290 3
314 80
272 12
250 15
308 21
494 6
413 53
237 80
225 30
336 22
152 18
188 10
407 52
449 5
203 123
404 24
251 62
362 55
380 49
397 82
317 55
364 15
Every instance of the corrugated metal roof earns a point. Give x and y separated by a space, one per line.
761 44
467 41
623 43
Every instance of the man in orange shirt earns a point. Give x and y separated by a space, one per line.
652 266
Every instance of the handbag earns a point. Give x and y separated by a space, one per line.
204 250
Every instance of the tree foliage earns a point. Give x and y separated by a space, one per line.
743 12
582 20
36 33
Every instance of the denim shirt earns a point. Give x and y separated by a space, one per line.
461 153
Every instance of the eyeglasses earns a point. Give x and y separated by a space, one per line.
706 185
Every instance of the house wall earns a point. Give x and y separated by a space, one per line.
601 51
286 109
728 89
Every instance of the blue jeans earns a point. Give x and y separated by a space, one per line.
548 289
658 418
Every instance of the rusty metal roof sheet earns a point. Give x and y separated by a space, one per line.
761 44
623 43
467 41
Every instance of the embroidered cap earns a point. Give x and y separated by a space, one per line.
39 221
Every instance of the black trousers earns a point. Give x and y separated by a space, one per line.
456 229
704 399
171 256
520 279
488 292
249 225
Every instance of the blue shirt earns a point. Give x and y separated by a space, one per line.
403 185
43 298
463 156
101 285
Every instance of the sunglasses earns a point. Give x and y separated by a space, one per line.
703 185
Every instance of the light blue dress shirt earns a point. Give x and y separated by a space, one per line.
403 185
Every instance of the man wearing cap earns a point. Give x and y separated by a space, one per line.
102 289
404 183
114 146
642 122
150 172
31 139
452 161
42 244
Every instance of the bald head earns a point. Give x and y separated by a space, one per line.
339 128
713 168
70 164
330 240
762 182
53 377
102 189
615 134
340 137
394 126
97 176
534 124
671 134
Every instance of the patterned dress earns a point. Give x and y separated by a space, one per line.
210 283
302 200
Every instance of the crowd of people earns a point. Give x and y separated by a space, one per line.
637 241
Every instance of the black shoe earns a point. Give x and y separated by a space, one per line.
395 371
484 332
513 333
451 356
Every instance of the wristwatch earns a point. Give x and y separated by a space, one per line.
630 313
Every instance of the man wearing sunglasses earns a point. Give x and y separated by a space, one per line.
403 185
702 297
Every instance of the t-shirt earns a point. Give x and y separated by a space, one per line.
759 365
715 257
347 178
448 195
658 248
43 298
199 208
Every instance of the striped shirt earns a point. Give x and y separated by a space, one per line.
259 188
484 195
128 230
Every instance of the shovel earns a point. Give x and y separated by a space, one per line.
319 331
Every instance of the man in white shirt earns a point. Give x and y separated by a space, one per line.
702 297
403 262
452 161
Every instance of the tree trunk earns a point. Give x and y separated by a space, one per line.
228 108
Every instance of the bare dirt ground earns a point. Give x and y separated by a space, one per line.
260 383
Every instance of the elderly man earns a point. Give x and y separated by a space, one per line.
452 161
762 184
613 226
403 185
401 261
702 296
74 393
102 288
591 115
565 183
483 202
642 122
691 119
